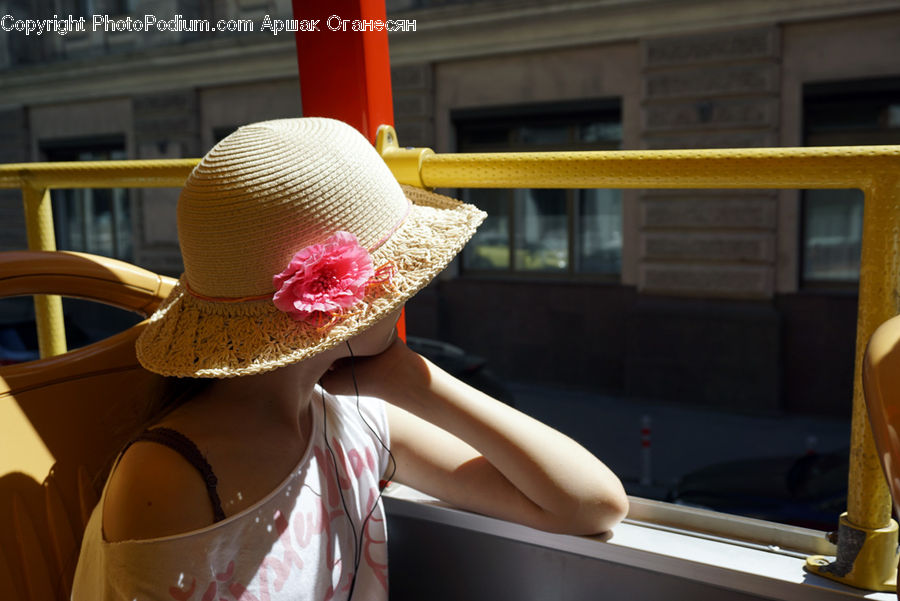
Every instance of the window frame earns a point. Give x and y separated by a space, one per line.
841 97
573 115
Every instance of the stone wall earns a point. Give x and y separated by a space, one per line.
166 126
413 94
713 90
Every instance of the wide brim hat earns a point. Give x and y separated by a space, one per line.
266 199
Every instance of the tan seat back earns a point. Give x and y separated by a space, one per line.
63 418
881 385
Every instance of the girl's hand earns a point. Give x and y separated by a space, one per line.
382 375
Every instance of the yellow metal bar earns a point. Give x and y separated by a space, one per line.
879 299
169 173
867 536
834 167
48 311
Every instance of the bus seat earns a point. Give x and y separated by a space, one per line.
63 418
881 386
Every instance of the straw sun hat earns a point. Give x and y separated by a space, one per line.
295 237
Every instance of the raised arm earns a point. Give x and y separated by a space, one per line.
462 446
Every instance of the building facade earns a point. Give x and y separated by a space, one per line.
743 300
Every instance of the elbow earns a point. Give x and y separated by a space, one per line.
615 510
593 514
605 511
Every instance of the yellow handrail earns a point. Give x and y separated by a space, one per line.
873 169
37 179
166 173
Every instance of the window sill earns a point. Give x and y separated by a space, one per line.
673 556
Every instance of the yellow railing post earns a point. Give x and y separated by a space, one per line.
867 536
48 311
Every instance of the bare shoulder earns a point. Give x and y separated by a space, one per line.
154 492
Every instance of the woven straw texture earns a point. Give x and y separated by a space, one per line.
259 196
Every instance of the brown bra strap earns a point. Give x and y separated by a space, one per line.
185 447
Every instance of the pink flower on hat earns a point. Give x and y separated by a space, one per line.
326 278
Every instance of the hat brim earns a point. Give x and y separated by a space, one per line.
192 337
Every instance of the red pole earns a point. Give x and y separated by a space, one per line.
345 73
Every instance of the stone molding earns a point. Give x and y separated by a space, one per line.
159 70
475 29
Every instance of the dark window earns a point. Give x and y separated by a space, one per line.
97 221
842 114
544 231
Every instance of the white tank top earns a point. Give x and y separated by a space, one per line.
295 544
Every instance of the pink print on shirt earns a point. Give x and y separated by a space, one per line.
317 520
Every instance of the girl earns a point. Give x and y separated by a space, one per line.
300 249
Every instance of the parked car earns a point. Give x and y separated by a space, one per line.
808 491
471 369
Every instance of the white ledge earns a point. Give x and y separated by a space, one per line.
714 561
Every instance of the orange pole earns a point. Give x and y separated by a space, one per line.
345 67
